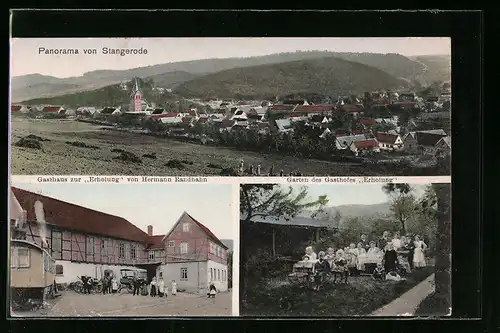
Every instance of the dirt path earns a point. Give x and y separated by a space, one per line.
406 304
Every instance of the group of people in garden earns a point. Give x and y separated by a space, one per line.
391 257
155 288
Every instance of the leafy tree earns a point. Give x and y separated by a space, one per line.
384 127
269 200
402 202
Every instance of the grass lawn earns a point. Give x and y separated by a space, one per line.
433 305
360 297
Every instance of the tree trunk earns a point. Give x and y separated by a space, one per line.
443 242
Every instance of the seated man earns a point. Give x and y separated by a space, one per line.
321 270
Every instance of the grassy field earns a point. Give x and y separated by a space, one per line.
56 156
360 297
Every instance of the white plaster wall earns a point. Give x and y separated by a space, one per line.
196 273
73 270
220 284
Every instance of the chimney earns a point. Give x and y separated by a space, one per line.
150 230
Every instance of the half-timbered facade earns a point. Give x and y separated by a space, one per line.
87 242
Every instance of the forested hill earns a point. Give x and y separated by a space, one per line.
329 76
36 86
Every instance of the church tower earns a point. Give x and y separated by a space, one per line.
136 103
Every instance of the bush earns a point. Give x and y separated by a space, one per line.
126 156
81 144
152 155
175 164
29 143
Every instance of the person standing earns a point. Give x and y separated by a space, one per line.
321 270
174 287
419 254
161 287
364 242
152 293
135 283
104 286
410 246
114 285
390 258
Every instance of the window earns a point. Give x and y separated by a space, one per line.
185 227
211 274
90 245
59 270
212 248
218 275
56 245
171 243
184 274
184 248
151 255
133 251
104 247
20 257
122 250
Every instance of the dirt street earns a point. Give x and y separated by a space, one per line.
71 304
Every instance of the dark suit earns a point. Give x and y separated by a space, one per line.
390 260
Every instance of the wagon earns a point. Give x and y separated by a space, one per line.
127 276
32 274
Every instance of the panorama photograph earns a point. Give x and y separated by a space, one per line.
106 250
345 250
231 106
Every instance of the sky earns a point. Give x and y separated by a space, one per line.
159 205
358 194
25 57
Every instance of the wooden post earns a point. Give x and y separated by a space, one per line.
317 235
274 243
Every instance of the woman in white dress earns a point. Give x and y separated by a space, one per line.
161 287
174 287
396 241
114 285
374 255
419 255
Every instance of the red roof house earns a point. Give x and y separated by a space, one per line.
367 122
52 109
14 108
366 144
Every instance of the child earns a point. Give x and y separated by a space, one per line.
321 270
310 254
379 273
352 258
340 267
393 276
212 291
174 287
418 255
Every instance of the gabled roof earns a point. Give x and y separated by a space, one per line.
282 107
203 120
446 140
156 242
364 144
207 231
386 137
164 115
428 139
367 122
15 107
51 109
314 108
65 215
352 107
